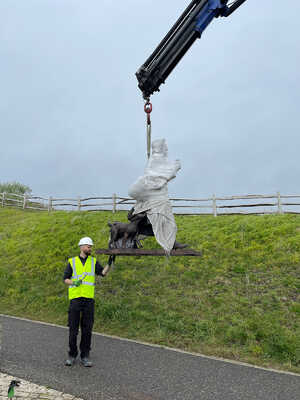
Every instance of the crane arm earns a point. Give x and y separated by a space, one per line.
189 27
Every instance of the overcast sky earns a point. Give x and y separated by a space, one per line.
71 115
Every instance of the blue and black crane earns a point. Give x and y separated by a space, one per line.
187 29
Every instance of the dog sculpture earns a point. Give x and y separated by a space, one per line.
125 235
145 228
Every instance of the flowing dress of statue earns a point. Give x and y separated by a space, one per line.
151 194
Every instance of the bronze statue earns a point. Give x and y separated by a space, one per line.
125 235
152 214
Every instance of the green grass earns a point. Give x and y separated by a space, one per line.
239 301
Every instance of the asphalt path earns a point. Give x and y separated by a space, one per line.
126 370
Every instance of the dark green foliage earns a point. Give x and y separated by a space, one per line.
240 300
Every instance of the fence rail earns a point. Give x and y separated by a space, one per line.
223 205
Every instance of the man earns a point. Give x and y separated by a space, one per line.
80 277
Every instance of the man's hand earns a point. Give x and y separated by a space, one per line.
108 265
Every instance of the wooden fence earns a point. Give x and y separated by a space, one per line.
228 205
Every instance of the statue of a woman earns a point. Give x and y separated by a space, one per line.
151 194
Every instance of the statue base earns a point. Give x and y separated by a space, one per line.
148 252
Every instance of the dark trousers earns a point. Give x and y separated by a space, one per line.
81 312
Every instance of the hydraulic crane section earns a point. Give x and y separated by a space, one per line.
189 27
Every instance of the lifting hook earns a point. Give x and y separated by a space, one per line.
148 110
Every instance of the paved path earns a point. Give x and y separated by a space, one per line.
125 370
29 391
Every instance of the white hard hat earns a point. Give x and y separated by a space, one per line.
85 240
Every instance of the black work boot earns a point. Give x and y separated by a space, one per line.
70 361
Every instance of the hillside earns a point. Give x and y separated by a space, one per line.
239 301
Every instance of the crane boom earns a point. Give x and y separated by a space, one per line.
186 30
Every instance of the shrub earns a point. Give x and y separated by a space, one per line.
14 187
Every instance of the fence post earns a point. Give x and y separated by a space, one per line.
3 199
279 204
114 197
50 204
214 205
24 201
79 203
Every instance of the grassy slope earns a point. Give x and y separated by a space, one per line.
240 300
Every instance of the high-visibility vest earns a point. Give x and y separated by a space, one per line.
85 272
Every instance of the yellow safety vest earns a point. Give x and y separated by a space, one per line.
85 272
